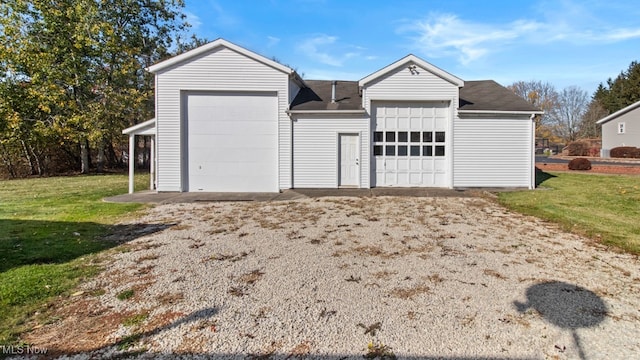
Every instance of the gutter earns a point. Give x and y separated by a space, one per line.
295 112
500 112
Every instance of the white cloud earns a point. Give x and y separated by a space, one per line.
618 35
327 50
193 19
447 35
222 17
443 35
272 41
314 48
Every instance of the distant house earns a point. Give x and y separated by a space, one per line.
622 128
230 120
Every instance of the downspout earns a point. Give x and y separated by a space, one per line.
532 185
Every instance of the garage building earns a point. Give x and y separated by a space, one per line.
230 120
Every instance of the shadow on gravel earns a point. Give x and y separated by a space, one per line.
566 306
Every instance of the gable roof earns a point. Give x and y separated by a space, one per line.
408 60
489 96
144 128
317 96
619 112
212 46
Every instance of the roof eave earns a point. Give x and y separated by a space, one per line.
138 128
412 59
210 46
515 112
294 112
618 113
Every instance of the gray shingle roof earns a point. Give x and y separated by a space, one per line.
317 96
475 95
489 95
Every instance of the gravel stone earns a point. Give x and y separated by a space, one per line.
330 277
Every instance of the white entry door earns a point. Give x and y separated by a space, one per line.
349 160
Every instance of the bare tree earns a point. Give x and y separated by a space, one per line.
588 127
566 118
539 94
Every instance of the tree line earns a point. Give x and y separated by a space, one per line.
571 114
72 77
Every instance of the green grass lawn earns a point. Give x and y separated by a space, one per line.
47 227
602 207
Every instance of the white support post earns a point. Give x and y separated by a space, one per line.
152 164
132 161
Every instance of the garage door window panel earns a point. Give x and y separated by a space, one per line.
390 136
427 136
390 150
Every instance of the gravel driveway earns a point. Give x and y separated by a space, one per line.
337 278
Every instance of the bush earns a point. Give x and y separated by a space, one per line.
625 152
580 164
578 148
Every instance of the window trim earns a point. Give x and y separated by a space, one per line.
622 127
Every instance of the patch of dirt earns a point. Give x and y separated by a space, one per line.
84 325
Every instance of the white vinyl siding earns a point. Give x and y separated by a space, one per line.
611 136
315 149
401 85
222 69
493 151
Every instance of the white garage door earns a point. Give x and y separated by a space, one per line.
411 144
232 142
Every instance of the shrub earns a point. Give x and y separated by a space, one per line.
625 152
580 164
578 148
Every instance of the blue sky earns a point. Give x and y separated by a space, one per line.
566 43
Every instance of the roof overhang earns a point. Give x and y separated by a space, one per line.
408 60
212 46
501 112
619 112
145 128
327 112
